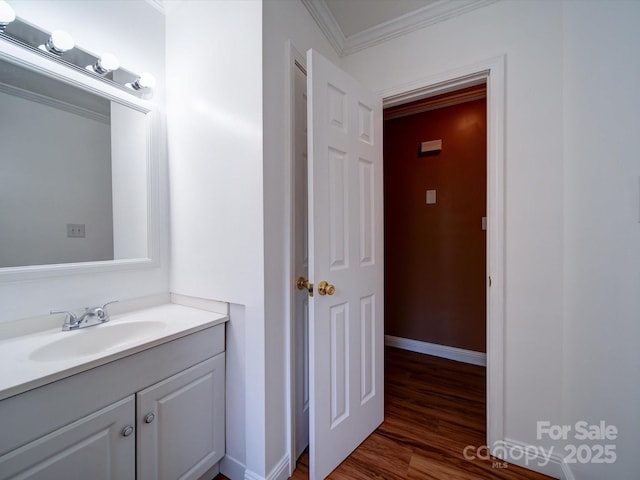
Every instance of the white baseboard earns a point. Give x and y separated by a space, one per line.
281 470
249 475
443 351
232 468
531 457
236 470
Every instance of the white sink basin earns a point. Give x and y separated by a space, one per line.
96 340
44 356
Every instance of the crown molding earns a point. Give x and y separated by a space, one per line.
429 15
327 23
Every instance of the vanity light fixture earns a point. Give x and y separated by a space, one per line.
7 15
105 67
105 64
59 42
145 80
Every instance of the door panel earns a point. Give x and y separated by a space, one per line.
93 447
181 423
345 249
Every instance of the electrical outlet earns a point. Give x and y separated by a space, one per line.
75 230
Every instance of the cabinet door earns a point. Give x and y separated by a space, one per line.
181 423
98 446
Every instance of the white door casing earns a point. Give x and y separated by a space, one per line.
345 249
301 263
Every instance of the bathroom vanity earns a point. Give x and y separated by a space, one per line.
141 395
145 404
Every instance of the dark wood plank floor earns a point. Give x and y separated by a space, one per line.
434 408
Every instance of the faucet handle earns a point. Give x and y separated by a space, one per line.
102 313
70 320
109 303
70 315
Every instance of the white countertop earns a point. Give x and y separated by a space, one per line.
22 370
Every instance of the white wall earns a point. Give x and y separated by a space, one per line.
282 20
530 35
226 73
602 230
55 169
572 180
134 31
214 102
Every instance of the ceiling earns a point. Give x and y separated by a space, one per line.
352 25
354 16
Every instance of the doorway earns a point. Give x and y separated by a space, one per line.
490 72
435 224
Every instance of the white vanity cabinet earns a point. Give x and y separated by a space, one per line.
157 414
99 446
180 430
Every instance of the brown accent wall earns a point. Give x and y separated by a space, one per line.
435 255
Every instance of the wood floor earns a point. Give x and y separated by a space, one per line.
434 408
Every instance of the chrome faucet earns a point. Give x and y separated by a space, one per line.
91 316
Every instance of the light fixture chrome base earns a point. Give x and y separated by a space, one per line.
22 33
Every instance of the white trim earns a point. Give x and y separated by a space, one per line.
249 475
327 23
533 458
54 103
567 474
493 72
232 468
215 306
428 15
35 62
292 55
281 470
410 22
442 351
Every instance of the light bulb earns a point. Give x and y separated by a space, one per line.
145 80
105 64
59 42
7 15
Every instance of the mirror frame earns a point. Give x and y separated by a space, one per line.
51 68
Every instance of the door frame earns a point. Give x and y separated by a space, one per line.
491 71
292 56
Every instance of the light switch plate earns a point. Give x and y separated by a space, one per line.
431 197
484 223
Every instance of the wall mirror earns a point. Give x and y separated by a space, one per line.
76 171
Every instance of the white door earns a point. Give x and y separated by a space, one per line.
346 251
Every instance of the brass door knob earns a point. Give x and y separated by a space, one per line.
325 288
303 284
